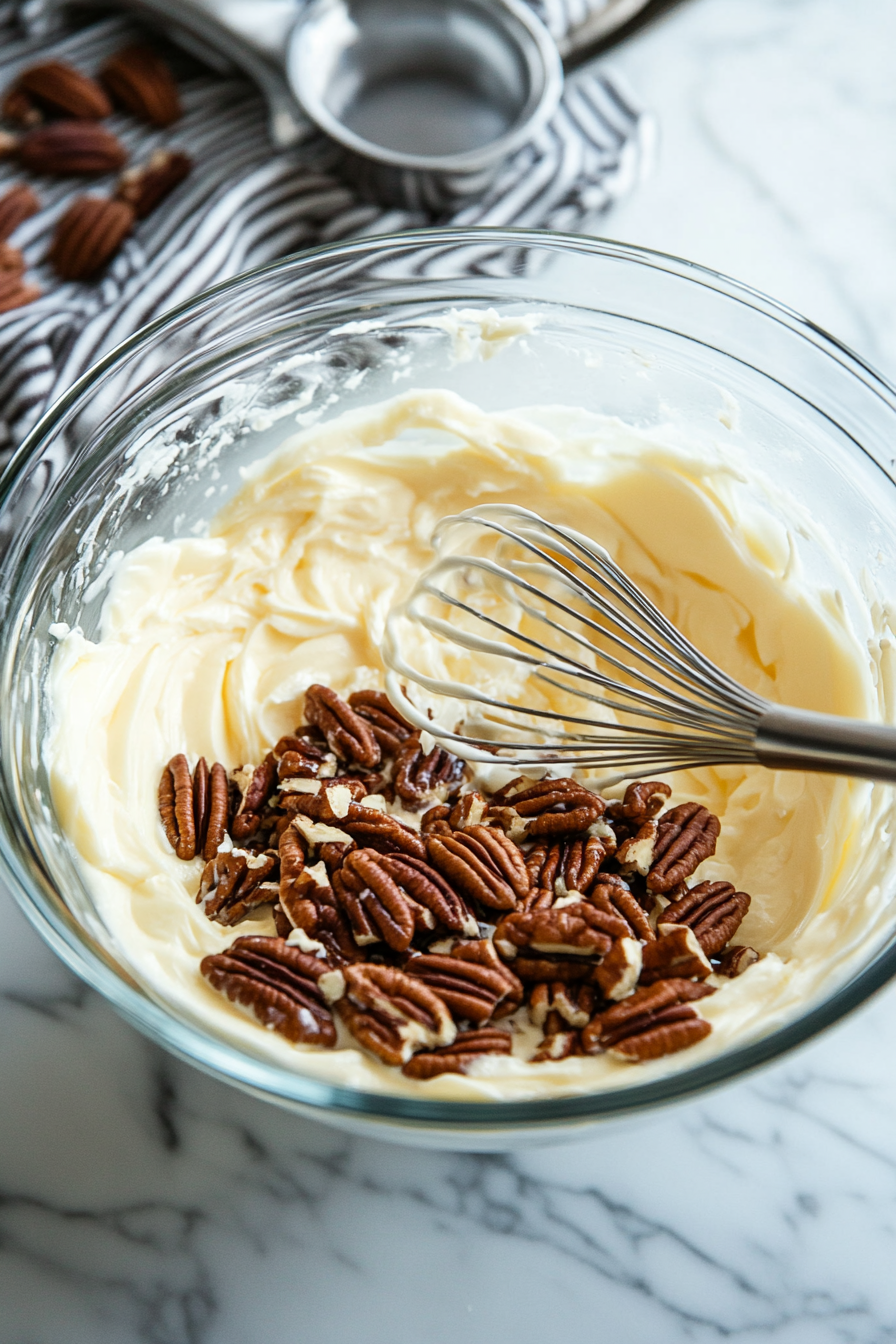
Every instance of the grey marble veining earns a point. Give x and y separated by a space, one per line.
142 1202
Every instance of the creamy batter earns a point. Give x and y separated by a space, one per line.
207 645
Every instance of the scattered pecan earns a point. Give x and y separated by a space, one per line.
579 930
234 883
651 1023
612 895
677 953
16 205
428 888
714 910
471 990
418 777
392 1014
554 807
60 88
177 807
483 864
387 725
287 990
686 835
642 801
574 1003
467 1047
19 109
88 235
15 292
72 147
350 736
141 82
735 960
566 866
376 906
146 185
559 1041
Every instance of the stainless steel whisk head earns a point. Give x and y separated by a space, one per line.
598 677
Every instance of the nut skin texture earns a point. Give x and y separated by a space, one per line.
146 185
417 776
88 235
393 1015
650 1023
229 889
714 910
193 809
483 864
387 725
471 991
348 735
279 984
140 81
16 205
686 835
554 807
62 89
467 1047
72 148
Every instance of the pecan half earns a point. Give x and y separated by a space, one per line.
376 906
566 866
382 832
287 990
467 1047
642 801
471 991
185 805
88 235
617 975
331 800
141 82
435 820
714 910
677 953
298 758
16 205
686 835
234 883
418 777
350 736
392 1014
61 88
469 810
578 930
574 1003
559 1041
146 185
386 724
483 864
482 952
15 293
611 895
72 147
554 807
428 888
291 849
735 960
651 1023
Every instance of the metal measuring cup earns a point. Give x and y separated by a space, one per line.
427 98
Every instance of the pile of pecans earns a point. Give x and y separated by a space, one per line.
57 111
426 914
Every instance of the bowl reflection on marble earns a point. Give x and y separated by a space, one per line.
150 443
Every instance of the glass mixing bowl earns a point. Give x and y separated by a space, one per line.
150 442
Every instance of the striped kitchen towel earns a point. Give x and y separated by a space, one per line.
246 205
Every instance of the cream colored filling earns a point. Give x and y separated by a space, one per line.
208 644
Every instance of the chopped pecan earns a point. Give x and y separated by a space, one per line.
578 930
677 953
714 910
350 736
559 1041
636 854
73 147
428 888
376 906
256 786
387 725
617 975
15 292
471 991
287 990
88 235
392 1014
60 88
193 810
16 205
566 866
470 810
141 82
735 960
686 836
12 261
574 1003
553 807
418 777
146 185
642 801
483 864
234 883
651 1023
467 1047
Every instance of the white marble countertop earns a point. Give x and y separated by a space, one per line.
140 1201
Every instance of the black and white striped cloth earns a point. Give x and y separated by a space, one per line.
246 205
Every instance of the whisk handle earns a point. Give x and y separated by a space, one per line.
798 739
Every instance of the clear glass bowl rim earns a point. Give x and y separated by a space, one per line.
216 1056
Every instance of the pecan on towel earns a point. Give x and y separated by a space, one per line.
465 1049
392 1014
287 990
58 87
140 81
651 1023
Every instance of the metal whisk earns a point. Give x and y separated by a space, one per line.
602 680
